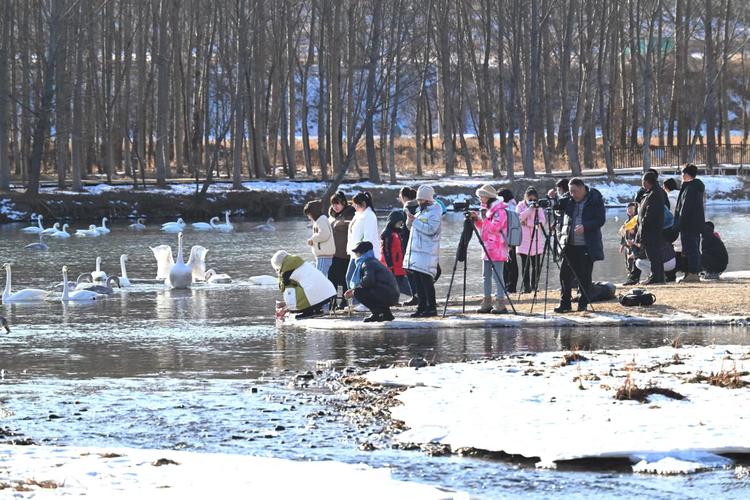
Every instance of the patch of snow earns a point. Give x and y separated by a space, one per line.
678 463
126 473
535 406
735 275
7 208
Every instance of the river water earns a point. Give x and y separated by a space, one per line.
206 369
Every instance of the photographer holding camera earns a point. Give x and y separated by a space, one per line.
532 242
492 224
580 241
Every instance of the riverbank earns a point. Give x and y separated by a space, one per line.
28 471
722 302
668 410
260 199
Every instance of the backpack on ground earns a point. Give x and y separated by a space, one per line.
513 235
601 291
637 297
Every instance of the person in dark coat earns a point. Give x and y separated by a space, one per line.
372 284
691 219
642 191
510 269
339 216
714 256
651 227
392 249
580 241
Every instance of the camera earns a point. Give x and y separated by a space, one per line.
552 203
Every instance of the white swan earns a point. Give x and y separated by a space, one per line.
268 226
76 295
264 280
35 229
91 232
123 280
164 261
41 246
226 226
180 276
25 295
206 226
212 277
52 230
98 275
138 225
62 233
197 263
103 229
173 227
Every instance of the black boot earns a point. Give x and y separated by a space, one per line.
372 318
563 308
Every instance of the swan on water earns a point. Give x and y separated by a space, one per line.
98 275
213 277
107 289
62 233
197 263
76 295
180 276
173 227
91 232
206 226
35 229
123 279
103 229
5 324
138 225
25 295
264 280
268 226
41 246
52 230
164 260
226 226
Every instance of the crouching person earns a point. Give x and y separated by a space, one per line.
372 284
714 256
306 290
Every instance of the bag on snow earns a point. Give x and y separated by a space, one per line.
601 291
513 235
637 297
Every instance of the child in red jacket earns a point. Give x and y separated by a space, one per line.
392 254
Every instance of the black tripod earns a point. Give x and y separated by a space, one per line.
554 251
461 253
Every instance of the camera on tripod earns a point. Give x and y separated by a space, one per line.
551 203
465 206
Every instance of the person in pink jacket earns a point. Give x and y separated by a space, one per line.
531 251
493 226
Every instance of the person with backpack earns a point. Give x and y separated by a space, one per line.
392 249
531 251
650 235
492 224
510 269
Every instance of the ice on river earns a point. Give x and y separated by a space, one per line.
532 405
125 472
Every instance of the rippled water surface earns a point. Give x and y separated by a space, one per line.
206 368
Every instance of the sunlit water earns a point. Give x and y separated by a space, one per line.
206 369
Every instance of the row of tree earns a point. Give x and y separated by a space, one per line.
252 88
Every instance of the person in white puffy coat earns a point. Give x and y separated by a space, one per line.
363 227
321 241
423 251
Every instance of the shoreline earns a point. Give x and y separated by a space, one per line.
260 199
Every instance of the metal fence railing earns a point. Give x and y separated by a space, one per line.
667 156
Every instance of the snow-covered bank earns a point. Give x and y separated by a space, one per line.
127 473
562 406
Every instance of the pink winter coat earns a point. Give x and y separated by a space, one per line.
493 230
526 215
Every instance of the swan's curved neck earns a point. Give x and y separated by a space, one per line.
65 286
226 217
123 271
6 290
98 264
180 257
39 222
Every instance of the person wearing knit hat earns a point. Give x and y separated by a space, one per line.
422 253
278 259
305 289
492 224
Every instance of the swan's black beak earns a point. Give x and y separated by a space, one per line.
4 322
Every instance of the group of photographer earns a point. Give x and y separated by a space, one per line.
666 232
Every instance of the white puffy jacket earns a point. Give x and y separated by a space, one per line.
423 251
364 227
322 237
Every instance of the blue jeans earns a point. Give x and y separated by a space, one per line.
488 275
323 264
691 250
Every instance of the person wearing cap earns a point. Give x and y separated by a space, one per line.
493 226
423 250
306 290
691 219
531 251
372 284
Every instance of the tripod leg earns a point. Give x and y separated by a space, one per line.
463 304
450 286
494 269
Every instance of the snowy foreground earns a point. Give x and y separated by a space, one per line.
547 406
28 471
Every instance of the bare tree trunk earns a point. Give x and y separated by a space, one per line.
162 139
371 96
5 95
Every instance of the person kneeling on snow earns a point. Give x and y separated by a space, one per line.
306 290
372 284
714 256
